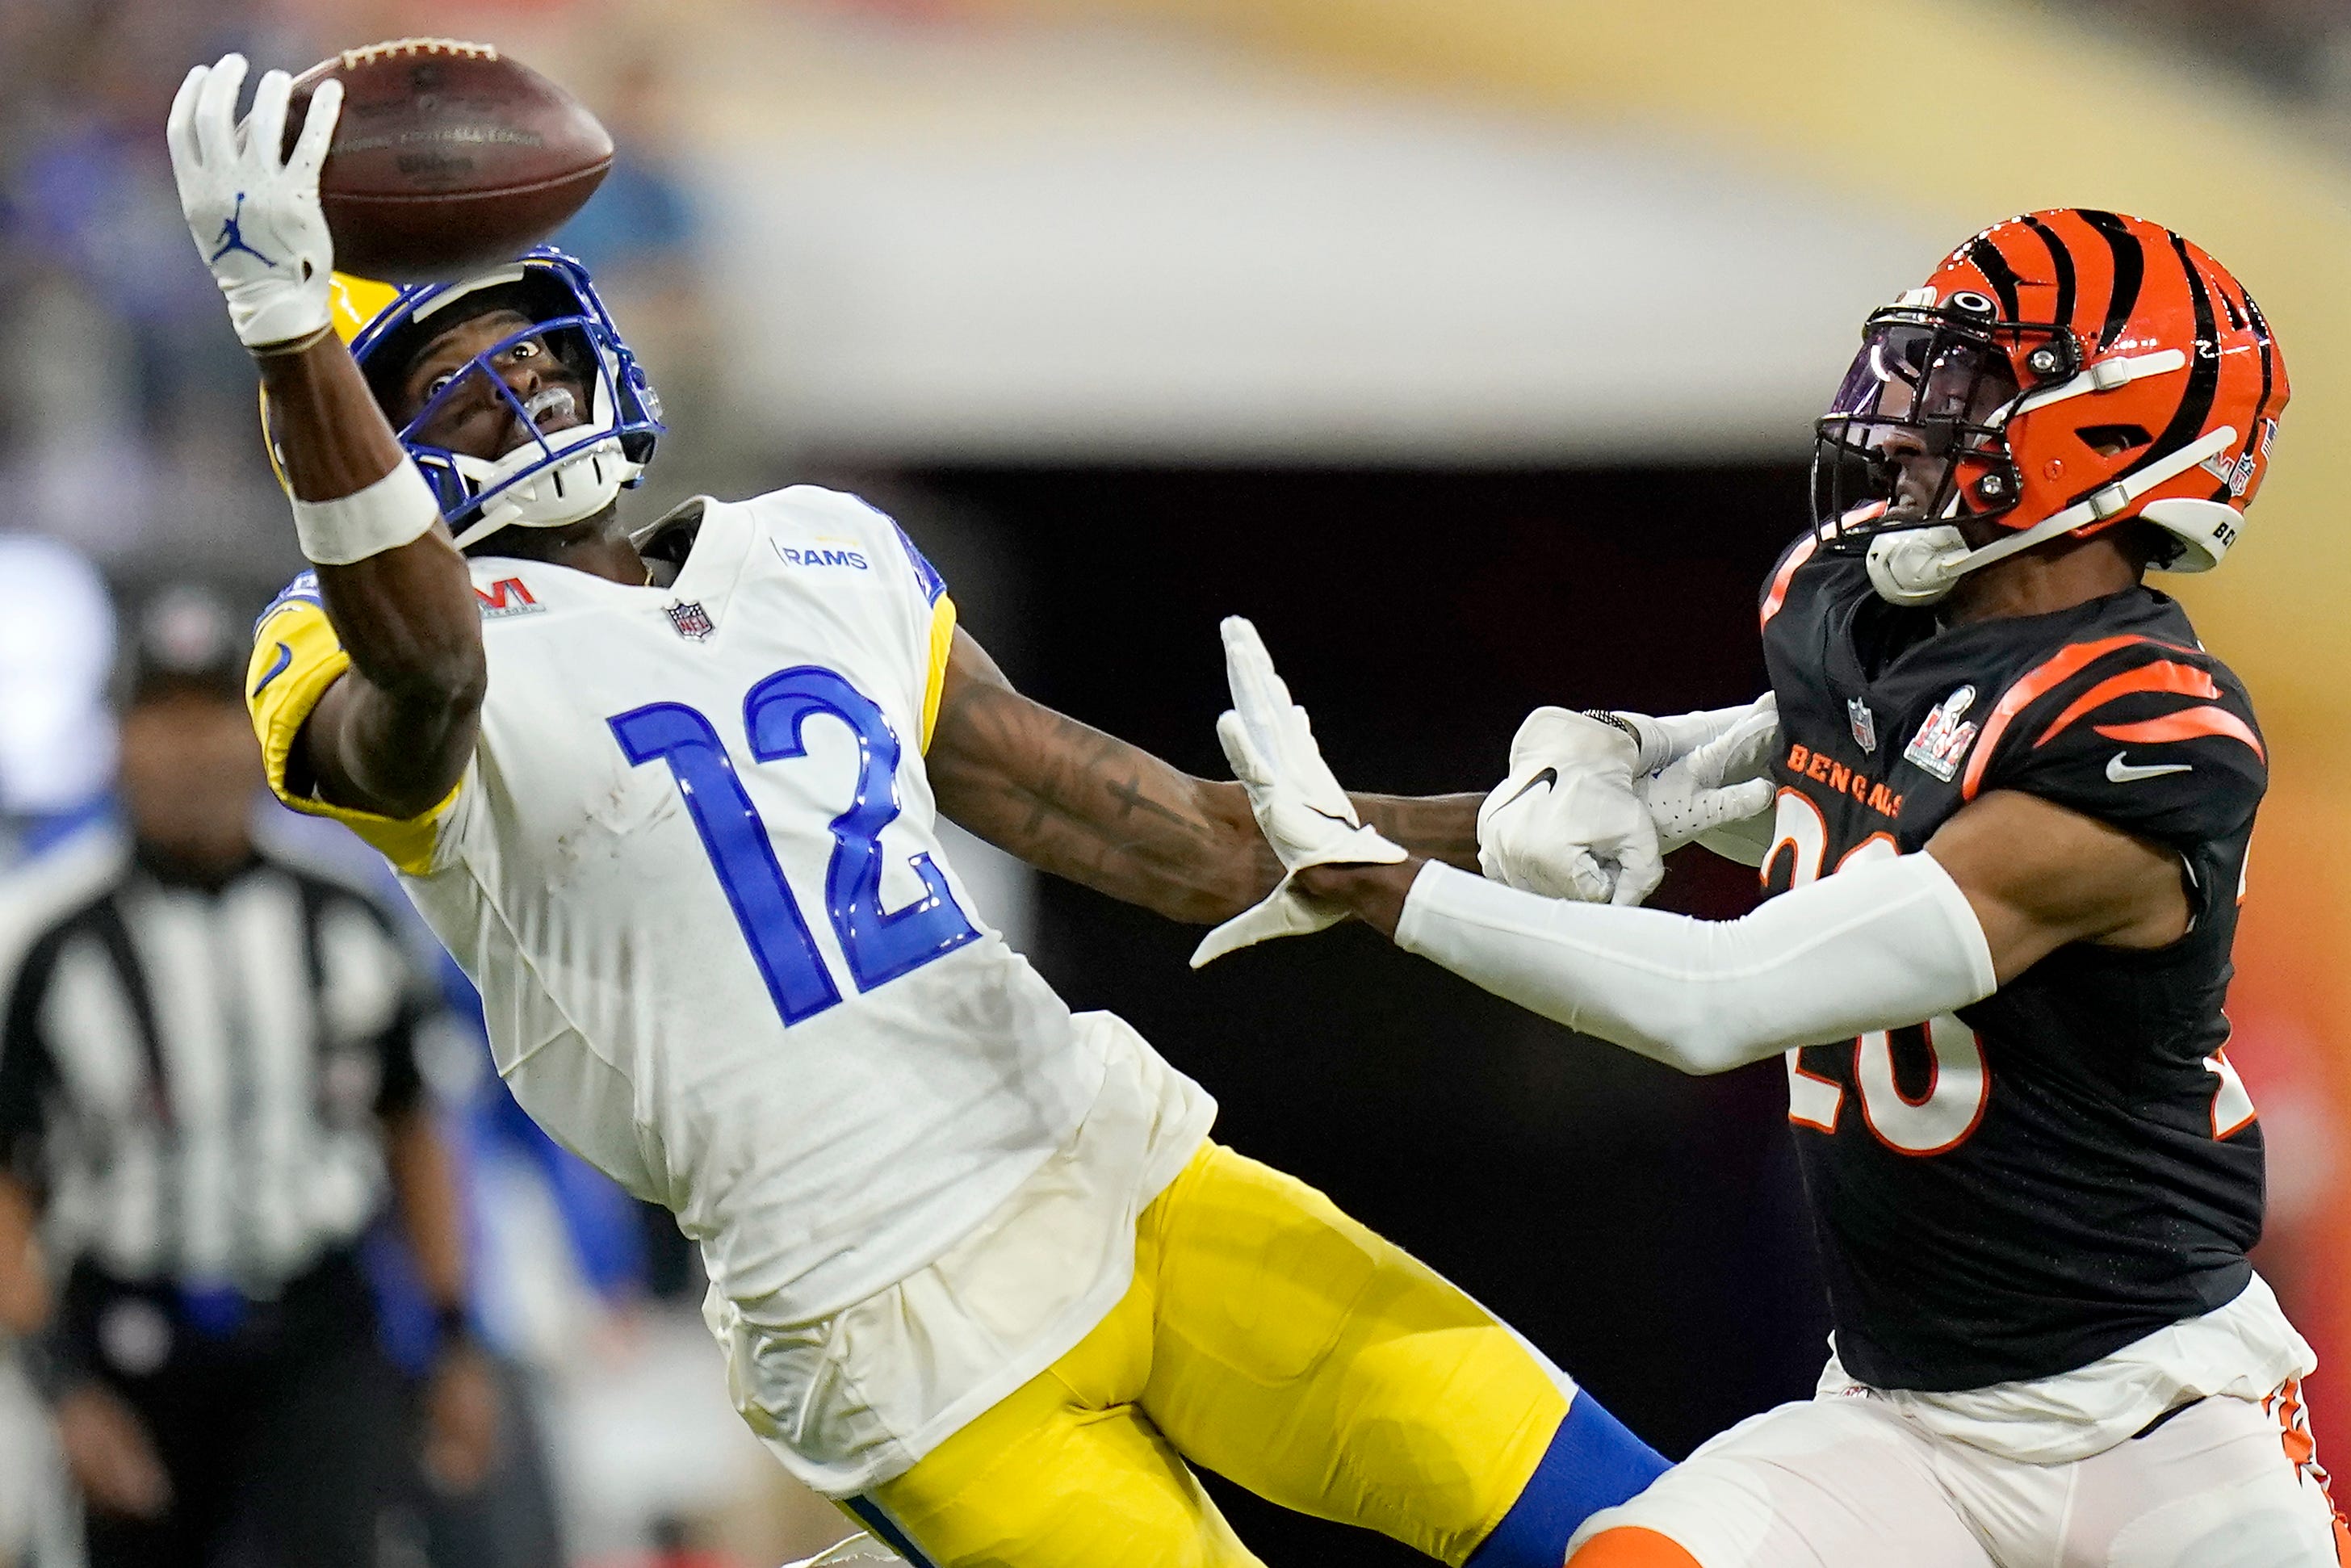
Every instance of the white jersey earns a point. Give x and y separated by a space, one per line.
694 871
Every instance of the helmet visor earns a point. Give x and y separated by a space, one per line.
529 380
1920 411
520 403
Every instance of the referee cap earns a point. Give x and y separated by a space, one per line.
185 637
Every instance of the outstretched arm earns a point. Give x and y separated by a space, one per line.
2034 875
1072 801
2005 882
393 734
2001 886
1594 802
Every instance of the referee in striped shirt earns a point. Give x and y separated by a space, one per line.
208 1093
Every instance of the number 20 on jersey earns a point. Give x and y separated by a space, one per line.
1958 1084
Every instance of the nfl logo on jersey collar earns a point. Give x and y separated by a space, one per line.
1865 724
691 621
1944 738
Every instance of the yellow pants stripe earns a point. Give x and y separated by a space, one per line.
1267 1337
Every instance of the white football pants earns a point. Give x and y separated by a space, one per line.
1847 1482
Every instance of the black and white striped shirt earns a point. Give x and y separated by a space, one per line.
193 1075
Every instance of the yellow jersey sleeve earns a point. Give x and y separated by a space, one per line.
296 657
926 581
943 625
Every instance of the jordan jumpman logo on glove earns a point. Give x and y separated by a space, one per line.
231 236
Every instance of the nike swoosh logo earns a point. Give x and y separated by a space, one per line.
2121 772
284 657
1547 778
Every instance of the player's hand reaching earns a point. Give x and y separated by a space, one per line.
1713 791
1298 803
1567 822
254 211
1579 819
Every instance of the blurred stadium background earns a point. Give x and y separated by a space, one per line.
1470 346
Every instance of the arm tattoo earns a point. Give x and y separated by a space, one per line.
1072 801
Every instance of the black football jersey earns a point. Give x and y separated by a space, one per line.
2070 1163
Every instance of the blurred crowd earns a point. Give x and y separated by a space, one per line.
127 424
136 485
118 387
2301 48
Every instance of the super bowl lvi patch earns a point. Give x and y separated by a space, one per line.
1945 738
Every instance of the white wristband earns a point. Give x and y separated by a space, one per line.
385 515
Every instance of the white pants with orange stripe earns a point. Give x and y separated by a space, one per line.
1850 1482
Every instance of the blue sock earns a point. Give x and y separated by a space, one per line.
1593 1463
884 1529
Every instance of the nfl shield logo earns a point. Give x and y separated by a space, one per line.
1864 723
690 619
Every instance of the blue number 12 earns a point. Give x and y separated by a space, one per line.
879 945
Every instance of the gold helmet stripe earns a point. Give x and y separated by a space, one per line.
355 302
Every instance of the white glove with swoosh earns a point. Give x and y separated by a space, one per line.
1567 823
1579 819
1297 801
254 215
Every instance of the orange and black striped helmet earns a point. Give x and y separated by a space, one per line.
2060 373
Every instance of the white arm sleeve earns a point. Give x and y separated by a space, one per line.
1881 946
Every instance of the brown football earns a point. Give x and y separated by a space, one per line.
449 157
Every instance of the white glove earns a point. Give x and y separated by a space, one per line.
1667 739
1696 776
1298 803
255 217
1567 822
1718 783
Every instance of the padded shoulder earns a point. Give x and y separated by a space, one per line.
2156 738
812 506
809 525
1774 594
297 656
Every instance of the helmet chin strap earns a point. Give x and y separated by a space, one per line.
1918 566
585 476
587 480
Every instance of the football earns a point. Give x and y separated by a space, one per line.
449 157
